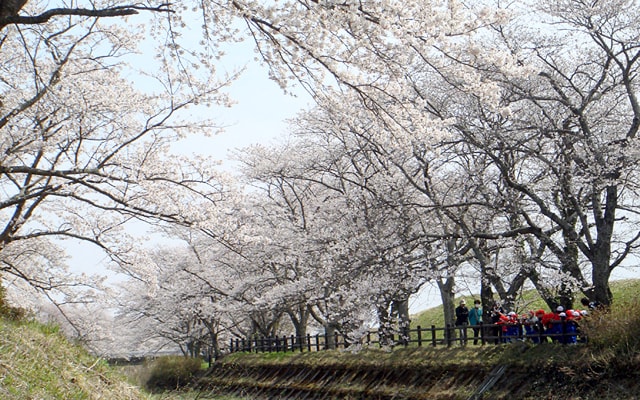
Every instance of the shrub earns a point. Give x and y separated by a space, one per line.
8 311
617 329
172 372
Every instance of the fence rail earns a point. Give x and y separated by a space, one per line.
564 332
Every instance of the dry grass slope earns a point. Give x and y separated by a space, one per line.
37 362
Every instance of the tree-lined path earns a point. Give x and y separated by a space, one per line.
452 144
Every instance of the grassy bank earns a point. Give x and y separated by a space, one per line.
37 362
549 370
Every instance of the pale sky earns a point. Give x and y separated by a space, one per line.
260 112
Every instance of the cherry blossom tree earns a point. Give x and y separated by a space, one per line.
458 136
555 118
393 106
563 139
296 217
419 78
183 300
360 224
85 149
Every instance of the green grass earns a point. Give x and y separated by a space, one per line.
190 395
418 357
37 362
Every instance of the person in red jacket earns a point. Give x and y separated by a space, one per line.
553 324
502 323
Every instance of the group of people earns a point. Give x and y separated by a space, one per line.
469 317
559 325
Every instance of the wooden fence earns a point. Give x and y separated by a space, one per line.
563 331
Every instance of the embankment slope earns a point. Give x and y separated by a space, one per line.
37 362
493 372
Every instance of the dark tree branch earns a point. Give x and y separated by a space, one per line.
56 12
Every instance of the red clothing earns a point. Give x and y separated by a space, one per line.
548 318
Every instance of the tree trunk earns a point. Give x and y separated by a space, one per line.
215 346
448 299
486 295
213 339
601 257
299 318
404 320
330 335
385 324
265 324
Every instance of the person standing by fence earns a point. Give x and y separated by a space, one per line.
462 321
497 313
553 322
475 319
591 305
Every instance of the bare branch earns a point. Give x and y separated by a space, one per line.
102 13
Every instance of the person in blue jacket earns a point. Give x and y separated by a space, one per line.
475 319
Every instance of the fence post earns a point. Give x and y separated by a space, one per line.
540 332
419 336
317 342
433 335
309 342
